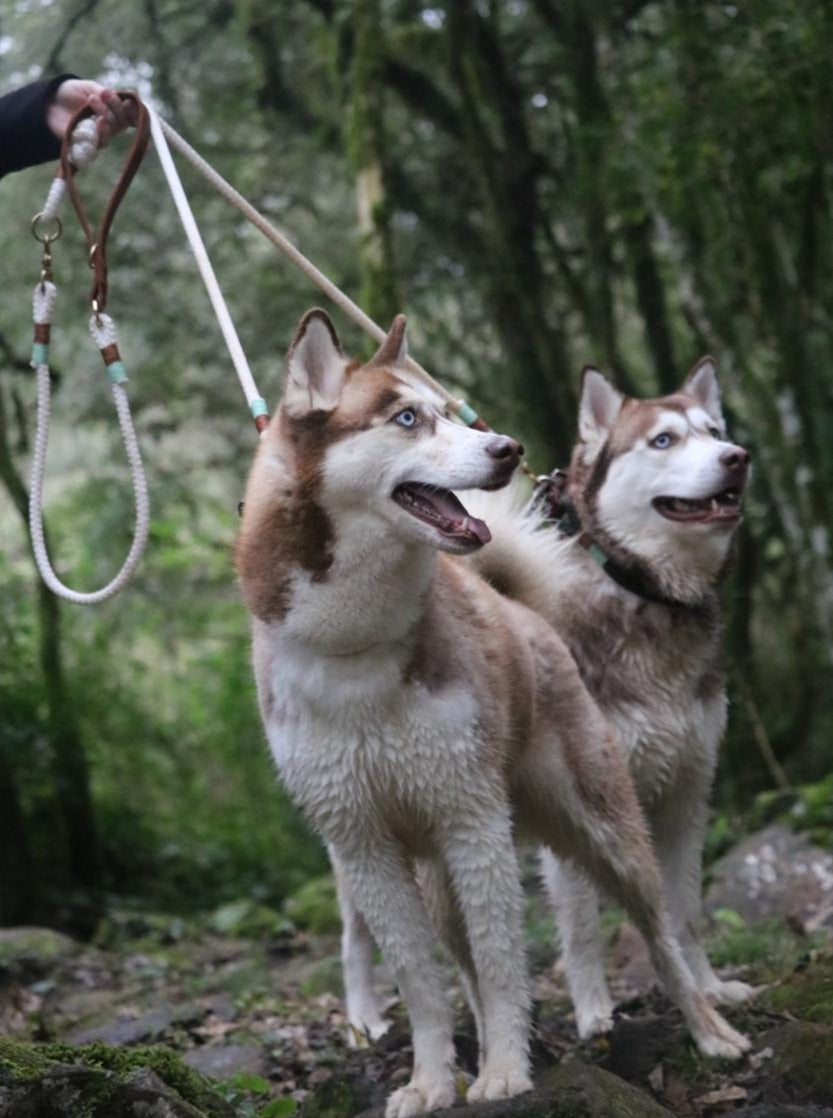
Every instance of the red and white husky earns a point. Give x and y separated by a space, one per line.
420 719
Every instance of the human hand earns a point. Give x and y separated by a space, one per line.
111 114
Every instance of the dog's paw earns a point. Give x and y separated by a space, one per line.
719 1039
417 1098
361 1034
499 1083
731 993
595 1020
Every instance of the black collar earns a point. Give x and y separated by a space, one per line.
631 577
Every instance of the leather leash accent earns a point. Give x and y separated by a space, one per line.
97 243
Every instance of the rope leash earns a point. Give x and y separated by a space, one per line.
79 150
162 131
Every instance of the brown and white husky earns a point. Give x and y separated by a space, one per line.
419 718
631 584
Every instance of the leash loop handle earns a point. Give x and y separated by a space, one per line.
97 241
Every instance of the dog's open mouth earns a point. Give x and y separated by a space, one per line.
443 511
721 506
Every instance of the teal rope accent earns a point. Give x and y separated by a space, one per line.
258 407
467 414
40 354
598 554
117 372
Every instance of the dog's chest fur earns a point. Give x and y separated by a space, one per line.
404 734
655 672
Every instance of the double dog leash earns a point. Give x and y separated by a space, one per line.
78 150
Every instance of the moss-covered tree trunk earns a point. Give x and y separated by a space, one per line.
367 151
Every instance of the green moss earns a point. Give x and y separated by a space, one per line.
802 1068
334 1099
807 993
27 1062
734 942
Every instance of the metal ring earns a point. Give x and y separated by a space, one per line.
46 239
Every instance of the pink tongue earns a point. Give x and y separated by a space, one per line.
471 526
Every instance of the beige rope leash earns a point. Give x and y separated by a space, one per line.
460 408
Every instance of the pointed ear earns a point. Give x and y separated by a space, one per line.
394 349
315 366
599 406
703 385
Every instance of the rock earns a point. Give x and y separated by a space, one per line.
100 1082
28 953
571 1090
147 1027
223 1061
775 1110
638 1044
801 1069
775 873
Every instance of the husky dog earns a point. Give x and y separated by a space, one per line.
630 583
417 716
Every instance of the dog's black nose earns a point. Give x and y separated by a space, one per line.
502 447
735 458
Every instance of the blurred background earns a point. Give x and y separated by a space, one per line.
539 184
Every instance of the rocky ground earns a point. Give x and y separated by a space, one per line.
239 1015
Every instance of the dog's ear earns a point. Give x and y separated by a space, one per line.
703 385
599 405
394 349
315 366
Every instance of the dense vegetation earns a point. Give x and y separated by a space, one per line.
539 184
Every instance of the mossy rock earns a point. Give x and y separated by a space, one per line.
250 919
807 993
570 1091
30 943
801 1069
314 907
99 1081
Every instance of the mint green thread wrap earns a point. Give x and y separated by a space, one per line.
117 372
467 414
258 407
40 354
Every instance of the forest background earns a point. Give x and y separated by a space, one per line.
539 184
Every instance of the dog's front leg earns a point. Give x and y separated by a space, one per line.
679 826
364 1014
479 852
575 900
383 885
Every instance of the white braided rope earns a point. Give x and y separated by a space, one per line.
44 302
227 328
162 131
83 149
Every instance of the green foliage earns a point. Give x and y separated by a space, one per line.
630 186
30 1061
314 907
248 918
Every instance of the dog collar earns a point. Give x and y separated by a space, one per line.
629 577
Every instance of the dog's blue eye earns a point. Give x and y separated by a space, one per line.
406 418
662 441
714 432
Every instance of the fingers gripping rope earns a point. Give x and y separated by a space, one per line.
103 331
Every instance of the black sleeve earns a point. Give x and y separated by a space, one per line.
25 138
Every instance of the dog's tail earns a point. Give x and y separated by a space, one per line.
526 553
